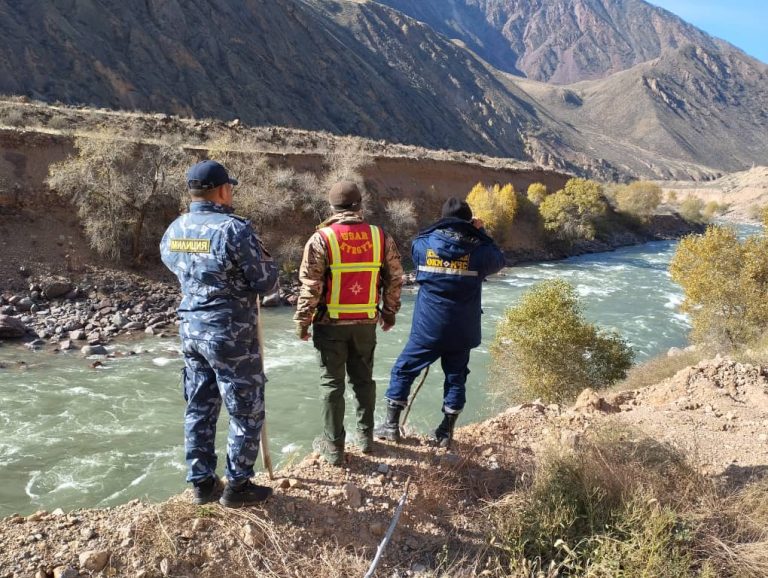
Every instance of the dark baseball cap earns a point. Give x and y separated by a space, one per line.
207 175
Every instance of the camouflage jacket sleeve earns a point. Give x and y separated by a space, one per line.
391 279
258 268
312 273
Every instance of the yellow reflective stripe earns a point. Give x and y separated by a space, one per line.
333 241
357 267
355 307
374 294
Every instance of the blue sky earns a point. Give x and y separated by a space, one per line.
743 23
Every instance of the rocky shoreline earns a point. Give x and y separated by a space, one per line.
89 312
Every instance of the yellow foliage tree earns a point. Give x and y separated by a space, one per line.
497 208
537 192
726 286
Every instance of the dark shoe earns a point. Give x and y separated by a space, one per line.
207 491
364 441
328 452
390 429
245 494
443 436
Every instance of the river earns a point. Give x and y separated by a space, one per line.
74 436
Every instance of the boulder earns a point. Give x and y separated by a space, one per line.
77 335
11 328
65 572
55 288
352 494
93 560
272 300
24 304
93 350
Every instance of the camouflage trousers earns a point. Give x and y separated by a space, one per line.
346 349
213 371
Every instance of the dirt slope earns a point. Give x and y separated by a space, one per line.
717 410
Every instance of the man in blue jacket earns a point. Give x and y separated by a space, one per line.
222 267
453 257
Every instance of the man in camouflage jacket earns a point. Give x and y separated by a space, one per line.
222 267
346 342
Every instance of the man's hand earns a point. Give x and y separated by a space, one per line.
478 223
302 331
387 321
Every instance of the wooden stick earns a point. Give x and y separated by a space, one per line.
411 398
266 457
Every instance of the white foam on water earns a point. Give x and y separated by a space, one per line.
162 361
290 448
138 480
30 484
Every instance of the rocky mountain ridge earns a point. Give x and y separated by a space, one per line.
390 71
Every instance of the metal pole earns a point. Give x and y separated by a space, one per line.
390 531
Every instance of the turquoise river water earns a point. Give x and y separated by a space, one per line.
72 436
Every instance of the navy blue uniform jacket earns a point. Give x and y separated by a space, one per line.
453 258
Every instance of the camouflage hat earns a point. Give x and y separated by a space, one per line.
345 194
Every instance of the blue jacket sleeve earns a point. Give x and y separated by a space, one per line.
492 259
258 268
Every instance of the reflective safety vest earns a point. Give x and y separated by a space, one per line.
355 255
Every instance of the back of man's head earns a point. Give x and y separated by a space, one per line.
345 196
205 176
455 208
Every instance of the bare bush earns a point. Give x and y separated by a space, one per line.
125 192
401 222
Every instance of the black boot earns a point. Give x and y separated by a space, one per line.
245 494
390 429
444 432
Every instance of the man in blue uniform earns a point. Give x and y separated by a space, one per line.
453 257
222 267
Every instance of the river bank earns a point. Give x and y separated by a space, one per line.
88 310
326 521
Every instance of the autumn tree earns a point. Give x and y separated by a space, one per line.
571 212
640 198
537 192
725 282
496 207
125 192
544 348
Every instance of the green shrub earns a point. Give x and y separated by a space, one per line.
545 349
607 509
571 212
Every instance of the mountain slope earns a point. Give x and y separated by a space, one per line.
559 41
691 106
321 64
364 68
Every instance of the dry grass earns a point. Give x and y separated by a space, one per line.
626 506
658 369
